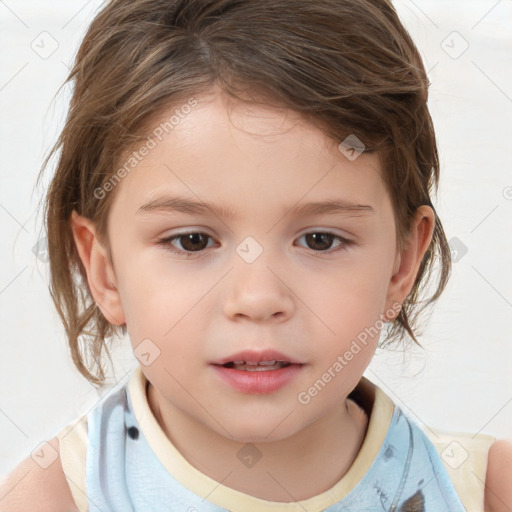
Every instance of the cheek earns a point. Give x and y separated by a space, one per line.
351 293
162 316
159 291
347 306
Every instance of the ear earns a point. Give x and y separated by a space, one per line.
407 263
99 269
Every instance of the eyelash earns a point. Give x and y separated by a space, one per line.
167 243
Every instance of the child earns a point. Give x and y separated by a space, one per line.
291 143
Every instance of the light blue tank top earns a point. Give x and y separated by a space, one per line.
123 474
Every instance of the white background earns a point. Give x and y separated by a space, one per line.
462 381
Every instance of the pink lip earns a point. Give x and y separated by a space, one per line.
258 382
254 356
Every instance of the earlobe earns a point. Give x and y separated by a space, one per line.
98 267
407 263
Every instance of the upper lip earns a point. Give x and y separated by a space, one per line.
255 356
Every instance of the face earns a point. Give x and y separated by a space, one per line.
266 272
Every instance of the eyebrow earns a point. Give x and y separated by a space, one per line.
187 206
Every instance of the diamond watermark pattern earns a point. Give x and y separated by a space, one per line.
45 45
454 45
457 249
249 250
454 455
44 455
146 352
40 250
249 455
351 147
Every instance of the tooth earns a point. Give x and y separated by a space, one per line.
263 363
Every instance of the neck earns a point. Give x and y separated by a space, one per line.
273 471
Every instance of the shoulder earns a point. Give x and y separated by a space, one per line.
38 487
464 456
498 480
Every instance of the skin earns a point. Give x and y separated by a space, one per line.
498 491
259 162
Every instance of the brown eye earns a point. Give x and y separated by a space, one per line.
190 243
194 241
320 241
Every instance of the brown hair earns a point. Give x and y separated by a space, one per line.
349 66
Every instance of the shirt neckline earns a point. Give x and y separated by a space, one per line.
377 405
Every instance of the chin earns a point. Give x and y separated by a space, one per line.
263 430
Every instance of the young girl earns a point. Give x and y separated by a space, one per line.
244 187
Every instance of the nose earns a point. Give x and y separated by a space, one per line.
259 293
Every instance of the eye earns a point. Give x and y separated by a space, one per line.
190 242
321 241
195 242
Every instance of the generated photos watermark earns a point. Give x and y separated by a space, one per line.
304 397
152 140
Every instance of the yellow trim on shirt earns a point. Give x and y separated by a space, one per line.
73 448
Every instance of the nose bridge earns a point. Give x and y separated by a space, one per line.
256 287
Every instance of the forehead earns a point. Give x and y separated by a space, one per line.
214 148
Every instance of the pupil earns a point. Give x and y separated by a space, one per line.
191 240
314 238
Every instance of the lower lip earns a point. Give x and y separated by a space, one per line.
258 382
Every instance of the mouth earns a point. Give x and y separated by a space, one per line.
257 377
262 366
257 360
